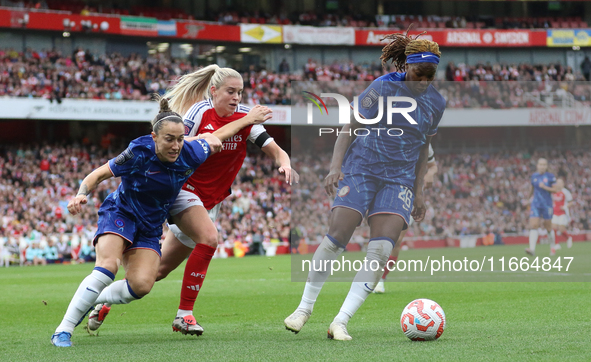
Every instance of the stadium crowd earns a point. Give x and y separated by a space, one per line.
52 75
342 17
473 194
38 180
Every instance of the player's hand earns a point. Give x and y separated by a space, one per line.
419 209
543 186
75 204
291 176
259 114
331 182
215 145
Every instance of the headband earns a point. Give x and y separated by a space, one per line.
171 116
425 57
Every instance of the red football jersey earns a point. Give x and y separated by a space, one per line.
212 181
560 198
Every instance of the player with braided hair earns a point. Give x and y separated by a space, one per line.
377 175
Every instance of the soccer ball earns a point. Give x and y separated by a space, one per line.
422 320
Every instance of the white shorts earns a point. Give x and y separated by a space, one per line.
185 200
560 220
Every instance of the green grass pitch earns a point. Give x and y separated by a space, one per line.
244 301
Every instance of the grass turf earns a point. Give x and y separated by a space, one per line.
244 301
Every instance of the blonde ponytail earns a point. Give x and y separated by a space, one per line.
195 87
190 89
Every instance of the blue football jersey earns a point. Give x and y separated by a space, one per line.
542 198
149 186
393 154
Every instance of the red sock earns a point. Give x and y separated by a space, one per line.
565 233
195 271
386 270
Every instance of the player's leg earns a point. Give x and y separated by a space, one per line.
564 231
384 229
173 254
387 218
557 233
140 260
534 224
381 287
559 224
194 227
551 233
109 250
353 198
177 246
343 222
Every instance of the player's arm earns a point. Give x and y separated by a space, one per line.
89 183
281 158
257 115
344 140
552 189
430 175
419 209
569 199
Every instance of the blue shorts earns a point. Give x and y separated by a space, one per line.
543 212
374 195
114 221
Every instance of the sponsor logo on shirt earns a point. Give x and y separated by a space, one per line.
231 144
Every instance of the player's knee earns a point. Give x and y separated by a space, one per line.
141 285
209 238
111 264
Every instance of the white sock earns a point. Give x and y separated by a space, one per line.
379 250
552 237
183 313
84 298
533 239
329 249
117 293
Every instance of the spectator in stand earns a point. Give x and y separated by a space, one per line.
50 252
586 68
34 255
284 67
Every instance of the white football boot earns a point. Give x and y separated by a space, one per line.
338 331
380 288
295 322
